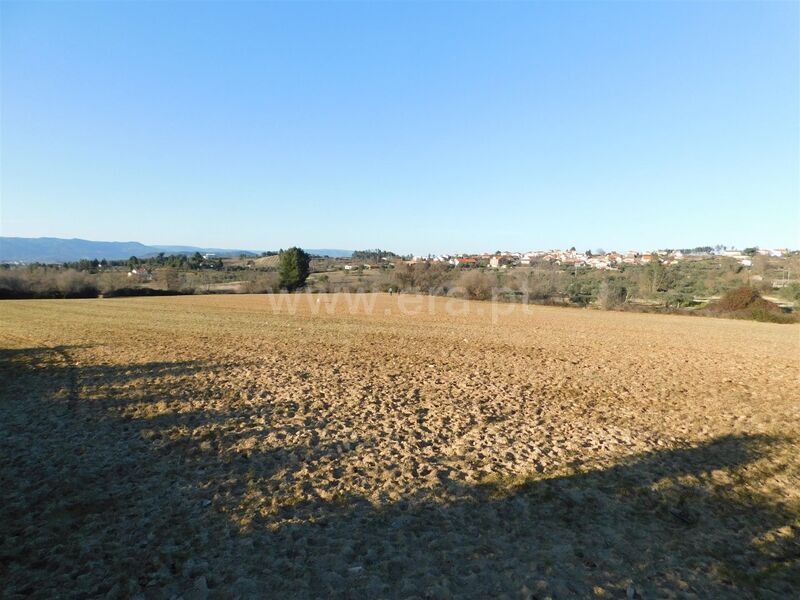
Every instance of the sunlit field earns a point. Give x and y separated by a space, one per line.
377 446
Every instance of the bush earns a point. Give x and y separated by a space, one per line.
744 302
433 278
478 285
738 299
790 292
766 316
129 292
169 279
403 276
111 281
47 283
13 285
260 283
535 288
581 293
75 284
611 294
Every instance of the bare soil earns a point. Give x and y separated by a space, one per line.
374 446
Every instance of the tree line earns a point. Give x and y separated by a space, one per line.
190 262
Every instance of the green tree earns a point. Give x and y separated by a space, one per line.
294 268
654 277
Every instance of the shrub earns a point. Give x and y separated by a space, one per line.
321 283
169 279
611 294
75 284
790 292
14 285
47 283
738 299
744 302
766 315
129 292
403 276
260 283
478 285
581 293
432 277
112 281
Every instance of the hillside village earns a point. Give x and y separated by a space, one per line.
663 279
600 260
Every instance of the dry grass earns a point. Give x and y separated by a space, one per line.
272 261
219 446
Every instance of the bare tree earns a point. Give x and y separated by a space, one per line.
478 285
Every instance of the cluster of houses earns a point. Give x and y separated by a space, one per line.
601 260
747 259
503 260
610 260
140 274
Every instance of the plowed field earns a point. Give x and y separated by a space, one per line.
377 446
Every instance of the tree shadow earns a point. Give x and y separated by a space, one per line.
133 479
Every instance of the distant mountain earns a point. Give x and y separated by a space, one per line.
193 249
227 252
333 253
58 250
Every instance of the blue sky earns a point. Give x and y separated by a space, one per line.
415 127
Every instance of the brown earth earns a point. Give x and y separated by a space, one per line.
374 446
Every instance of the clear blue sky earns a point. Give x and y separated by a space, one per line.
409 126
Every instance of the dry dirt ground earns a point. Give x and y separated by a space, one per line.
375 447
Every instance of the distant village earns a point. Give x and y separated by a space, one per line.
599 260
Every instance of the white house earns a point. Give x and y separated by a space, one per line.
140 273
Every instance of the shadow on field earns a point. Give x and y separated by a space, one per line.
126 480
